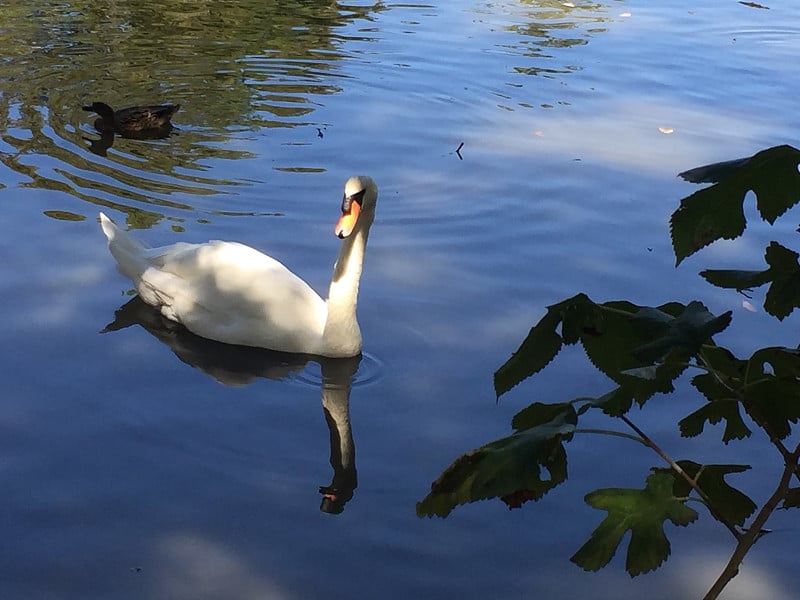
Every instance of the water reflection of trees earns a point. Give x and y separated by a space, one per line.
549 25
235 67
643 351
240 366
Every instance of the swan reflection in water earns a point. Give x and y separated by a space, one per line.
241 365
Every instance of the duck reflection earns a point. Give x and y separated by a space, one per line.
241 365
101 145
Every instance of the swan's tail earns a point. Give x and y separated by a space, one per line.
126 249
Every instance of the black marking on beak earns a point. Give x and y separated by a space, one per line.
358 197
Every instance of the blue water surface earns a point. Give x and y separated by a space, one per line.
525 151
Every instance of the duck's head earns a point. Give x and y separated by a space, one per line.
101 108
358 205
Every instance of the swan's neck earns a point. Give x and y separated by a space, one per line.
342 336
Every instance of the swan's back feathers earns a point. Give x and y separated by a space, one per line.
224 291
127 250
233 293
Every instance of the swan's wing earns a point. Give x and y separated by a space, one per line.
233 293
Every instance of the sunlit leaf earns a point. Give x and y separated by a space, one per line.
725 502
643 513
503 468
716 212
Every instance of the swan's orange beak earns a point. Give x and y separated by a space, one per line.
347 221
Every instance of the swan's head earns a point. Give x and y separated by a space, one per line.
358 204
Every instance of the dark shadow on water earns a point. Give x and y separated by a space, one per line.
241 365
101 145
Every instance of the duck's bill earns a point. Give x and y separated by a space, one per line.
348 220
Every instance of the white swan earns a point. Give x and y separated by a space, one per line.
232 293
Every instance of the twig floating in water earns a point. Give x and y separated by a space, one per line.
458 151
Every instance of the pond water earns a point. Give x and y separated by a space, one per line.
525 152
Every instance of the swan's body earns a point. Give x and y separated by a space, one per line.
232 293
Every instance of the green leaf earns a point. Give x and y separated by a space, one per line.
643 513
736 280
610 342
783 295
767 386
620 339
772 399
540 347
640 389
725 502
714 412
504 468
540 414
714 172
716 212
706 216
603 329
687 332
792 498
723 387
784 362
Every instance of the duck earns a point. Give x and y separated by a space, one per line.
135 121
236 294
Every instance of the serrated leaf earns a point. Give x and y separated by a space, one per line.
610 342
540 347
714 412
723 387
609 334
725 501
704 217
503 468
716 212
643 513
